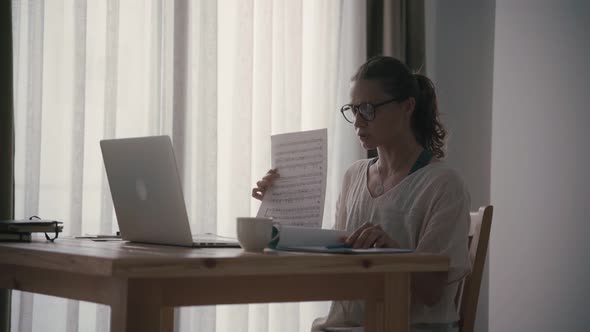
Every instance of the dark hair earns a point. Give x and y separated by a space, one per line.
397 80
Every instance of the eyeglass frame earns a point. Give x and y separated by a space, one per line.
356 109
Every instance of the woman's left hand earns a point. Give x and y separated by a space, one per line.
370 235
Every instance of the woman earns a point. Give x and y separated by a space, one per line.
407 197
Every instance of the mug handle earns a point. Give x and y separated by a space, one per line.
275 237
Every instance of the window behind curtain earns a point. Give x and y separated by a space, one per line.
219 77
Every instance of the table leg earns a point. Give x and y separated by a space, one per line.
393 314
373 316
166 319
397 301
5 303
138 307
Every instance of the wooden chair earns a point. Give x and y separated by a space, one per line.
468 293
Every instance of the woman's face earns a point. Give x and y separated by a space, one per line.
392 120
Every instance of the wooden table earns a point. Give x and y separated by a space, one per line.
143 283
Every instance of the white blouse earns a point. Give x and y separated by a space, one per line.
428 211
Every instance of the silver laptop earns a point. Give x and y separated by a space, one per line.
147 193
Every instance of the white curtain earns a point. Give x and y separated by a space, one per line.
219 77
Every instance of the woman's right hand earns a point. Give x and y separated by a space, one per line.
264 184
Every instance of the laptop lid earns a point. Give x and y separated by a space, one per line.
146 190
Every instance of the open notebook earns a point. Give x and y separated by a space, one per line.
344 250
307 239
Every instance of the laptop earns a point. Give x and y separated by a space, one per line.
147 193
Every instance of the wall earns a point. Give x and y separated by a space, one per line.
540 273
460 50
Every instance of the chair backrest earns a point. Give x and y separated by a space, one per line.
468 294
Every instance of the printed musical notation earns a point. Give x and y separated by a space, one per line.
297 197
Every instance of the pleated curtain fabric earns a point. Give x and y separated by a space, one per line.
396 28
6 140
219 77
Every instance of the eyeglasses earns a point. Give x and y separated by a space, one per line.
366 110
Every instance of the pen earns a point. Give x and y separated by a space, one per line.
339 246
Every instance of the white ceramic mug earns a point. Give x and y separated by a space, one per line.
254 233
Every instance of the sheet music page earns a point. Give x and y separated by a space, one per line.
297 196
